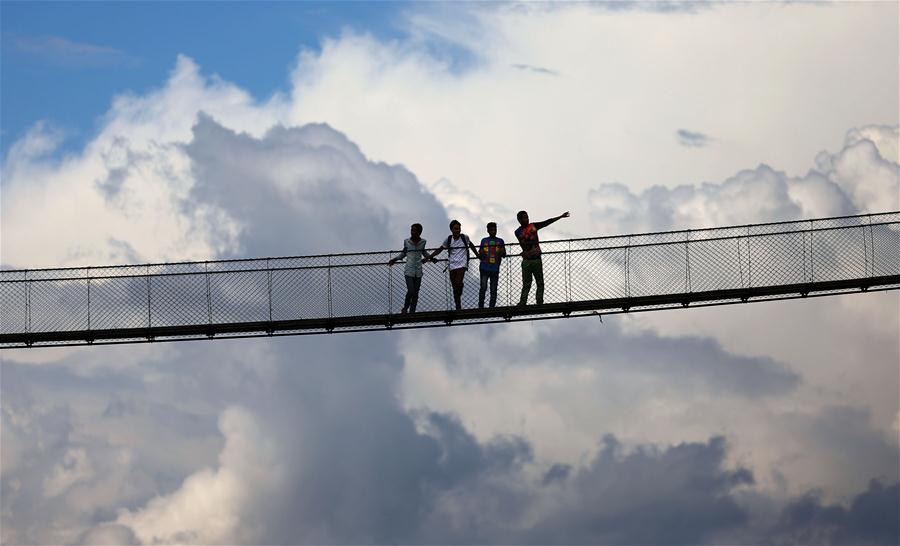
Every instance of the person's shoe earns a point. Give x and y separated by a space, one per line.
403 311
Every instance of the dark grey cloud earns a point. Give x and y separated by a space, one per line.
873 517
361 469
558 472
352 464
686 364
677 495
306 190
535 69
692 139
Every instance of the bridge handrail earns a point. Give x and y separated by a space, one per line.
548 243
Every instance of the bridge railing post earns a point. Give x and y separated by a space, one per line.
749 260
149 301
687 261
569 274
328 283
88 275
208 294
269 283
27 303
871 246
627 276
812 262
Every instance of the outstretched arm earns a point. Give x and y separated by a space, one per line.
548 221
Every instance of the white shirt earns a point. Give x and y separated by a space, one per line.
458 253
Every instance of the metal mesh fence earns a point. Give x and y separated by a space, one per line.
273 290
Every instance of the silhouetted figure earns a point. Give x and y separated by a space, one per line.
413 250
457 245
531 254
492 251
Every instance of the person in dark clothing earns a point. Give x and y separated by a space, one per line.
492 251
413 250
457 245
531 254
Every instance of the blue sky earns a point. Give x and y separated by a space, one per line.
62 62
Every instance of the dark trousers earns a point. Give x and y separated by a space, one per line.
412 293
456 281
492 277
532 268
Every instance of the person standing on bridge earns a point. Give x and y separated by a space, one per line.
413 250
493 249
531 254
457 245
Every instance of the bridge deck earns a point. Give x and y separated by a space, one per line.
352 292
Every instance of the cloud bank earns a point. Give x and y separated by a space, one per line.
722 422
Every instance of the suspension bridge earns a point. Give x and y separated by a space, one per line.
360 291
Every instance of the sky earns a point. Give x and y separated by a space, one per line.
147 132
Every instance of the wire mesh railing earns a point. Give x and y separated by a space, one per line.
281 293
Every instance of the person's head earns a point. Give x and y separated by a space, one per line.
522 217
492 229
455 228
415 230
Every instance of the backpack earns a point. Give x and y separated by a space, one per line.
466 242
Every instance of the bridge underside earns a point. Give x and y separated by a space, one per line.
430 319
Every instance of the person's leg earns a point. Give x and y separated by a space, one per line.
483 288
526 281
409 292
539 279
494 278
414 299
456 280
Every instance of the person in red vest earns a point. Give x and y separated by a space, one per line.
527 234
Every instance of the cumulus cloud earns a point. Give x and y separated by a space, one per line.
303 180
327 439
206 508
860 178
871 518
508 135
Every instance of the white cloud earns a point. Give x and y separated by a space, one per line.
208 507
860 178
547 400
628 82
162 182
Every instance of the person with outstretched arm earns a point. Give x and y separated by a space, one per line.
527 234
457 245
492 251
413 251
